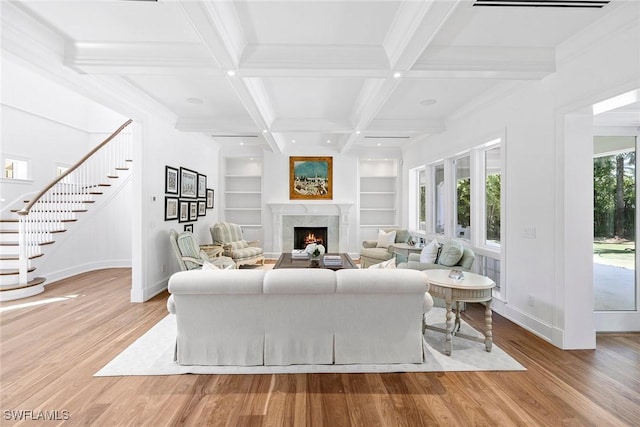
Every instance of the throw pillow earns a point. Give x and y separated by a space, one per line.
386 239
385 264
240 244
451 253
429 253
209 266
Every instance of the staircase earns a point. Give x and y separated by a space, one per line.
33 227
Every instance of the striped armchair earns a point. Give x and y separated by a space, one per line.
229 236
192 256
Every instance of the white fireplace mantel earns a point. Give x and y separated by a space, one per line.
310 208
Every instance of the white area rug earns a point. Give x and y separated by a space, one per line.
152 354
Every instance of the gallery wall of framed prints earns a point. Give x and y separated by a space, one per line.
187 197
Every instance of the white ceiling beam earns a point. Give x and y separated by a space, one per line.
414 26
227 125
310 125
219 28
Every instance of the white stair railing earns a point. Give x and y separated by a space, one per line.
61 199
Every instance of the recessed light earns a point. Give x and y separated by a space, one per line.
379 144
426 102
293 140
328 141
242 143
264 131
357 132
397 75
231 73
195 101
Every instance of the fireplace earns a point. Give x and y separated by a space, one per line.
303 236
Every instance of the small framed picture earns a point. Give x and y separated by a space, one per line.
183 211
202 207
202 186
188 183
170 180
193 211
188 227
209 198
170 208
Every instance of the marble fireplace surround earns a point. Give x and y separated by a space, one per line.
286 216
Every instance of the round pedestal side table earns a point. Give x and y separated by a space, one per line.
471 288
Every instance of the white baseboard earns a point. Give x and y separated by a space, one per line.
79 269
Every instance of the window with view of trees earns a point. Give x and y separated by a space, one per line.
438 175
463 197
492 184
422 200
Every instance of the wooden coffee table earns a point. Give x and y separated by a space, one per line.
286 261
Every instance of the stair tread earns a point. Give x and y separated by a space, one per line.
34 282
14 271
16 258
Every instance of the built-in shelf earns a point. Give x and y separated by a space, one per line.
378 196
243 194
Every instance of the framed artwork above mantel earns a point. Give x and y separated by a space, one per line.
310 178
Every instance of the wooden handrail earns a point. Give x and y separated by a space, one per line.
27 208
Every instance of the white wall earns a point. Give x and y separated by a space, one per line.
551 267
162 145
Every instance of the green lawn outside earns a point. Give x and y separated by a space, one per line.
619 254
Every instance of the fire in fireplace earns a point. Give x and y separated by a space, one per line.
302 236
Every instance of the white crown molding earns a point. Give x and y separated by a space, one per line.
491 60
139 58
396 127
621 118
314 57
310 125
226 125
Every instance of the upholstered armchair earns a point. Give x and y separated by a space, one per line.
377 251
192 256
450 254
229 236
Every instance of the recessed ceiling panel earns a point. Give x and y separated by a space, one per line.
314 98
430 99
317 22
117 21
190 96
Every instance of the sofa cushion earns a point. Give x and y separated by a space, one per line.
245 253
451 253
300 281
382 254
402 236
386 239
391 263
240 244
429 253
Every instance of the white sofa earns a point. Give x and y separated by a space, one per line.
298 316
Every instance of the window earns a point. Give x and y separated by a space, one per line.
439 198
422 200
492 187
463 197
16 169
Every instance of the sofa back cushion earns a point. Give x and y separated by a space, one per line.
226 232
300 281
451 253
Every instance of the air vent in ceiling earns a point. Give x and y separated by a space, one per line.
543 3
386 137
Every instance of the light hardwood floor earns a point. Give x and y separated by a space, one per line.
51 349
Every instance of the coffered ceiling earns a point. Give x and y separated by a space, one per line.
278 74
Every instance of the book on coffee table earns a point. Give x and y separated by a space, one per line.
332 260
299 254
